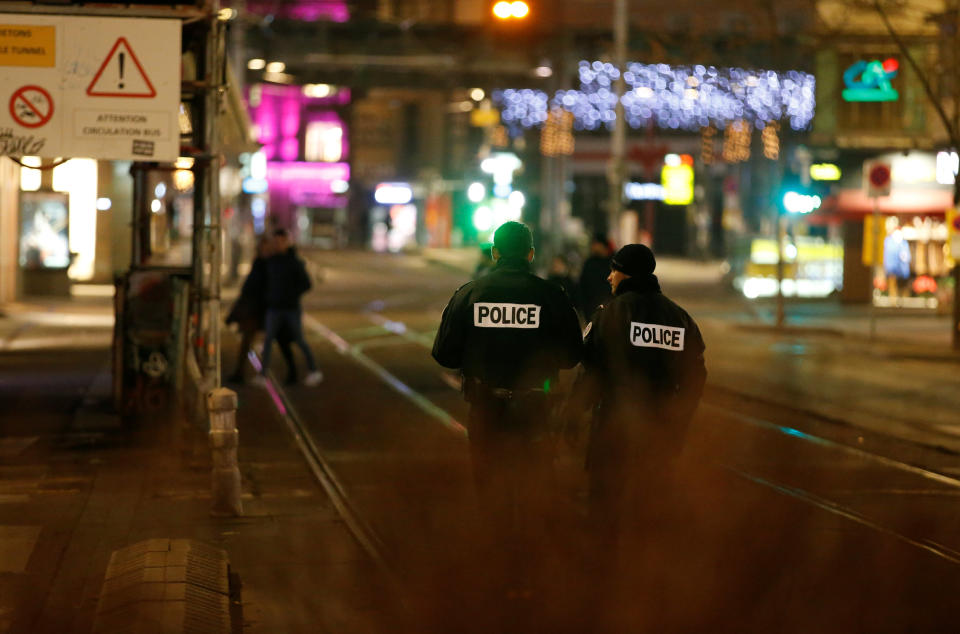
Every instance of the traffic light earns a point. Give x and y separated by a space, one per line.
516 10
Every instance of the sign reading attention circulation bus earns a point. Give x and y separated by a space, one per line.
104 88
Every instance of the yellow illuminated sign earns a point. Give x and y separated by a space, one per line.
871 253
677 181
825 172
953 235
25 45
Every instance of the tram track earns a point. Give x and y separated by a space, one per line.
327 478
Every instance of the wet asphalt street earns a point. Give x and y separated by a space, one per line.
818 491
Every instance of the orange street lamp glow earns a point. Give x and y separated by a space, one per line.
519 9
503 10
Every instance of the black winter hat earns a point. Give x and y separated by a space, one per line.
634 259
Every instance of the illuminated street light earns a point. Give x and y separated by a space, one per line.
477 94
276 67
505 10
257 64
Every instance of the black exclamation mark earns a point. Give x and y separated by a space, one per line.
120 59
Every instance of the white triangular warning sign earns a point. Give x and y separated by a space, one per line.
121 75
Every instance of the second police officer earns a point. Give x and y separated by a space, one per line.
509 333
643 373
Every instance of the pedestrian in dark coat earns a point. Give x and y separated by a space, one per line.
593 286
249 313
287 281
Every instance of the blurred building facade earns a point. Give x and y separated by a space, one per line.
430 84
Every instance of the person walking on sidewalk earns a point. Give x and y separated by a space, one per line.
509 333
287 281
249 312
643 374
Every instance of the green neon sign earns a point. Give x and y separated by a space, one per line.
870 81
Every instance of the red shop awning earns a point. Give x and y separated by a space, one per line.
855 202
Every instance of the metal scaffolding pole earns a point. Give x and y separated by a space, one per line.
618 136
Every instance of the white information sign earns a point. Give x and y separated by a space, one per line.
104 88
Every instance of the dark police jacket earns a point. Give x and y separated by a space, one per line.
286 280
509 329
643 353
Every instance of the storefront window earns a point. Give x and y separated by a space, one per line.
324 141
913 267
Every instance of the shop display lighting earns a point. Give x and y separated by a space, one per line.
393 193
948 165
476 192
675 97
797 203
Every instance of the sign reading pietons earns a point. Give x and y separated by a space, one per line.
28 45
104 88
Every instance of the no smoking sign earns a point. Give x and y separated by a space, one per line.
31 106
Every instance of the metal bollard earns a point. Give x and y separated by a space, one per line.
224 440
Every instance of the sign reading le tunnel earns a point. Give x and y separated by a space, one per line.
104 88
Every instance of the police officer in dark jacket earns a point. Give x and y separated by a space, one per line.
510 332
643 371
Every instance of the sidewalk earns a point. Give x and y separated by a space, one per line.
75 486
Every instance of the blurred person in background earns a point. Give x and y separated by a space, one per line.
593 286
249 313
286 281
486 263
559 274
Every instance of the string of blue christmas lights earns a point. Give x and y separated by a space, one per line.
675 97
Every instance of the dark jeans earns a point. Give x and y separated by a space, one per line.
246 341
288 321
